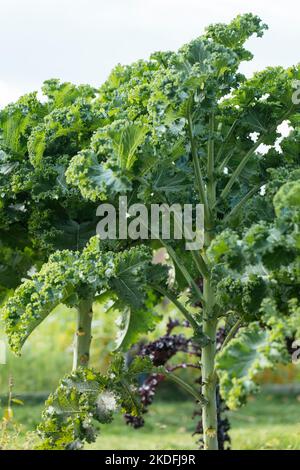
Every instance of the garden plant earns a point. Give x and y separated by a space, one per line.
183 127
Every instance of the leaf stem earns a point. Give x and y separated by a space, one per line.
225 161
227 137
231 333
198 172
198 396
249 154
179 305
237 208
183 270
200 263
240 167
211 162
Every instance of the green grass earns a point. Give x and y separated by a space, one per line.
168 426
267 422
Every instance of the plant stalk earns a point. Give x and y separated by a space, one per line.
83 335
209 379
208 353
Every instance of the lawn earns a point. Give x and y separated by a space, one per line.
267 422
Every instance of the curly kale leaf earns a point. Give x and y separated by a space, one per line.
86 398
250 352
70 276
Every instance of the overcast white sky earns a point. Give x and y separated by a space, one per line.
82 40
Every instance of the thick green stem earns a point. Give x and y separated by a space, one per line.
83 335
209 380
208 353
